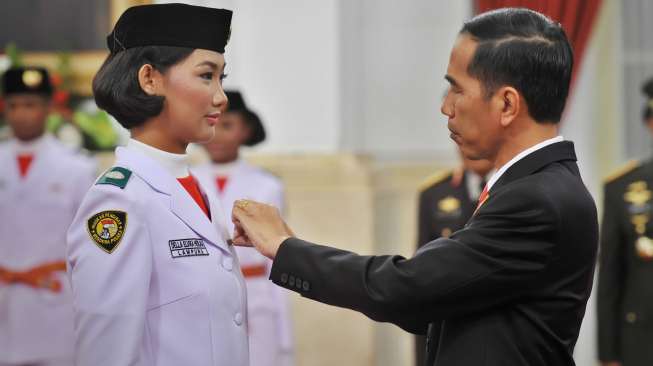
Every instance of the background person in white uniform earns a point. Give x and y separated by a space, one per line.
41 185
154 280
230 178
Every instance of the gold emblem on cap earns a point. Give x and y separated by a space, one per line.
449 204
32 78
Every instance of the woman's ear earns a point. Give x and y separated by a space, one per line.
509 102
150 80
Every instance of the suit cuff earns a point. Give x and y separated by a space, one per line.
282 273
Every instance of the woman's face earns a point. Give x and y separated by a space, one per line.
194 99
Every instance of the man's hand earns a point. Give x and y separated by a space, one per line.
259 225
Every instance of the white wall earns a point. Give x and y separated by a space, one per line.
364 76
284 56
394 67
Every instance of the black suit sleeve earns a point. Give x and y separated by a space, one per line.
424 220
611 279
496 258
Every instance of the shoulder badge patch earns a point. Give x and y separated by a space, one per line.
116 176
107 228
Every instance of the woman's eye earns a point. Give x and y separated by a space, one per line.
207 76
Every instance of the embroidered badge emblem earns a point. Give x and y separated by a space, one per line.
107 228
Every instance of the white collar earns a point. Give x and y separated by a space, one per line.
175 164
473 182
31 147
226 169
520 156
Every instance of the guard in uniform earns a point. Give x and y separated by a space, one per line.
42 183
446 201
154 279
625 294
231 178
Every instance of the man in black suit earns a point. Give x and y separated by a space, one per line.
511 287
446 202
625 294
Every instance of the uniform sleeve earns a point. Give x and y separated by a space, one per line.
495 259
278 196
611 276
110 290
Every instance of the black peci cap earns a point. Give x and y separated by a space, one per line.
179 25
31 80
237 104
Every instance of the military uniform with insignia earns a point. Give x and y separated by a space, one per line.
155 280
154 277
446 202
42 183
625 294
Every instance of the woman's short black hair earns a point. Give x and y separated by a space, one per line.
526 50
116 88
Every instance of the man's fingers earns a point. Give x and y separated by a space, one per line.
242 241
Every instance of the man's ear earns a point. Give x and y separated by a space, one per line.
150 80
508 102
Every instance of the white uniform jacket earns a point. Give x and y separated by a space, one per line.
270 328
35 212
170 292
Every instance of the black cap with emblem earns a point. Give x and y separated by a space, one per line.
30 80
179 25
237 104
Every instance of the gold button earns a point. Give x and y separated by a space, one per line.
631 317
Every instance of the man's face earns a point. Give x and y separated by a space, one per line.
26 115
474 120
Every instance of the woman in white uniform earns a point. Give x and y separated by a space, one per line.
230 178
154 279
41 186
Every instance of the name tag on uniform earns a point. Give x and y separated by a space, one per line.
187 248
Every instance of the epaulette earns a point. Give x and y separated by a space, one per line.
116 176
434 179
627 168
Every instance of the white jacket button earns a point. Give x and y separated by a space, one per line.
238 319
227 263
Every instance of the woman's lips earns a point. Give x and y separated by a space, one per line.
213 118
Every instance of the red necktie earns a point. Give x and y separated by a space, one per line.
190 185
483 197
221 182
24 162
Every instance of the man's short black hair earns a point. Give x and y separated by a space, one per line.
116 88
526 50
